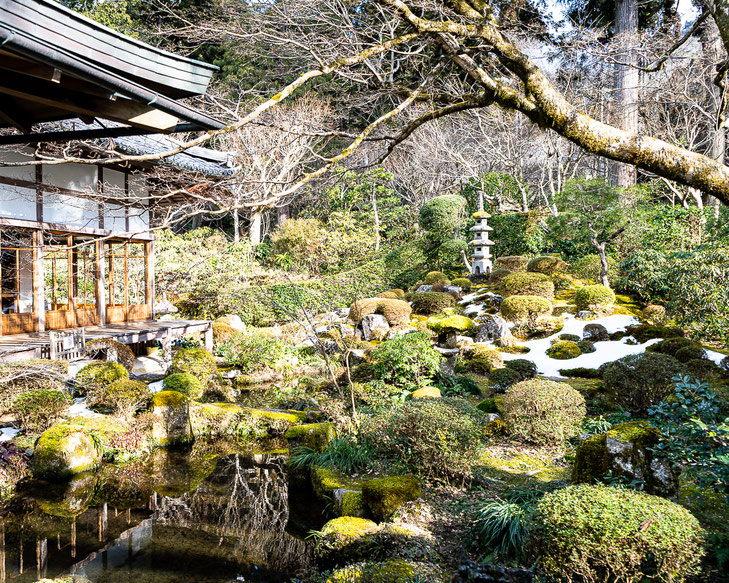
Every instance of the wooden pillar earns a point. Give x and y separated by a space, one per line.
100 286
149 260
39 289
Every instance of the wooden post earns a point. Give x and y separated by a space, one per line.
100 287
39 284
149 260
209 338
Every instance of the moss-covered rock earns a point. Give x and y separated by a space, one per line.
390 571
564 350
64 450
595 333
586 347
73 499
487 406
341 532
395 311
317 436
171 414
427 393
383 496
185 383
451 323
625 452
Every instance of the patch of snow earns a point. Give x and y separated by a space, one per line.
80 409
8 433
714 356
77 365
155 387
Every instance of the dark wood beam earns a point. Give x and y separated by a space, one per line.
11 116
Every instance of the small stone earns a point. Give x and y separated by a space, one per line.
583 314
595 333
424 288
493 329
372 322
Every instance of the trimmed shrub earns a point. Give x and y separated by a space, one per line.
570 337
597 298
432 302
484 359
123 396
639 381
487 406
581 372
654 314
512 263
185 383
547 264
222 333
526 368
395 311
525 308
99 375
35 373
435 438
253 353
113 351
38 409
498 274
693 352
680 348
198 362
462 282
564 350
454 323
645 333
600 533
543 412
528 284
406 361
433 277
502 378
392 294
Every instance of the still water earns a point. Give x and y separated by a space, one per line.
174 520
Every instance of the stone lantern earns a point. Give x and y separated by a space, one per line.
481 256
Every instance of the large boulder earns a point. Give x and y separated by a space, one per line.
317 436
63 451
625 452
374 327
171 413
383 496
494 329
595 333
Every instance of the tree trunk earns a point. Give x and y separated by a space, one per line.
600 248
283 214
626 81
236 226
255 227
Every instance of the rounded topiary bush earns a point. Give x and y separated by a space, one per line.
547 264
543 412
597 298
395 311
564 350
526 368
99 375
184 383
682 349
484 359
436 438
654 314
639 381
433 277
222 333
502 378
38 409
601 533
196 361
525 308
123 396
392 294
528 284
498 274
432 302
113 351
463 283
512 263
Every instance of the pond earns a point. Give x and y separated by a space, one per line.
176 519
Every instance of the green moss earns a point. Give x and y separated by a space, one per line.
324 481
314 435
383 496
198 362
168 399
463 283
596 298
99 375
352 503
64 450
391 571
293 417
453 323
487 406
185 383
484 359
427 393
525 308
564 350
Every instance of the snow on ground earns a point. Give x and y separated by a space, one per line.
717 357
606 351
155 387
8 433
80 409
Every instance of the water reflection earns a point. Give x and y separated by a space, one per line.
177 519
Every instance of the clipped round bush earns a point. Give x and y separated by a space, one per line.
432 302
597 298
498 274
639 381
693 352
113 351
406 361
528 284
436 438
484 359
512 262
564 350
38 409
21 376
601 533
543 412
185 383
525 308
433 277
392 294
571 337
547 264
222 333
463 283
502 378
673 346
123 396
99 375
589 267
196 361
701 368
526 368
395 311
654 314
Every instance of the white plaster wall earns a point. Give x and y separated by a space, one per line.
17 202
69 210
79 177
26 282
115 217
17 172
